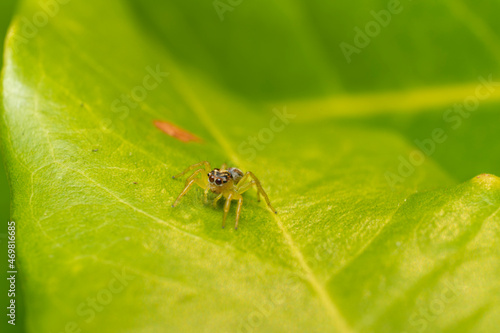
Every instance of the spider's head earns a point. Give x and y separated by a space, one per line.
219 177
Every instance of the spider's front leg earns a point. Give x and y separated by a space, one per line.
217 200
203 183
205 164
188 186
191 180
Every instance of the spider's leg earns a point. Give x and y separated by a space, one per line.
217 200
226 208
206 165
261 190
185 190
241 188
238 211
196 173
205 193
202 182
224 166
246 187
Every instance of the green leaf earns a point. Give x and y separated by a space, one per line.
6 12
100 248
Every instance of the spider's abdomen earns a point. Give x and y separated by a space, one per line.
236 174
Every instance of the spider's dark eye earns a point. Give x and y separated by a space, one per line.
211 178
218 181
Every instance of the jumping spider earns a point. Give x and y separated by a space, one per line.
228 183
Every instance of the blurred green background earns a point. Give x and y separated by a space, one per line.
6 11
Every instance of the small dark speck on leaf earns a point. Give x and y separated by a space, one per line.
135 183
95 150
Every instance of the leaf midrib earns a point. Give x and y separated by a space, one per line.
331 308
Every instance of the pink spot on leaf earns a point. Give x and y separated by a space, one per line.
176 132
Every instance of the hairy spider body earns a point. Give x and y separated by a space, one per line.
228 183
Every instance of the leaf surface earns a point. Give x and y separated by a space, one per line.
348 252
